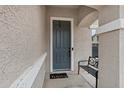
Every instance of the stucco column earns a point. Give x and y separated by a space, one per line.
82 45
111 46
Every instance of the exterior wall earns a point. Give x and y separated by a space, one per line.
22 40
121 55
121 50
83 12
79 34
109 47
108 13
82 44
33 76
109 59
121 11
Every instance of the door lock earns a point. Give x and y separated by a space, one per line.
72 49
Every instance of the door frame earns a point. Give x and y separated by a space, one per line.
51 41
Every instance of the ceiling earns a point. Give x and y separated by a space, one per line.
65 6
97 7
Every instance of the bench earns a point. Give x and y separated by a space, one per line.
91 67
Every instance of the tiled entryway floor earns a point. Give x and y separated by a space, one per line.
73 81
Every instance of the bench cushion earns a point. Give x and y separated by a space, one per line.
90 70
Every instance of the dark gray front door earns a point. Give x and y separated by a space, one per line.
61 45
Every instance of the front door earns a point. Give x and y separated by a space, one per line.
61 45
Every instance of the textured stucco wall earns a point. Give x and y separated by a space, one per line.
83 12
121 56
108 13
82 44
22 40
121 49
109 59
109 51
121 11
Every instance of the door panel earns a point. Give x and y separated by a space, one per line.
61 45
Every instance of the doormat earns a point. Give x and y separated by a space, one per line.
58 75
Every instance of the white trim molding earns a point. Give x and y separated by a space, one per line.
27 79
51 40
111 26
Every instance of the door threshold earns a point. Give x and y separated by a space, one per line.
64 71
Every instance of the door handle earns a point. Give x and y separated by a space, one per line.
72 48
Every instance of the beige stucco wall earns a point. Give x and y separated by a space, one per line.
121 49
108 13
22 40
109 59
112 13
121 11
109 49
83 12
81 44
121 56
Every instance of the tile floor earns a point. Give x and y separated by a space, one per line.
73 81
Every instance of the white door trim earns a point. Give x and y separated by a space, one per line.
51 40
